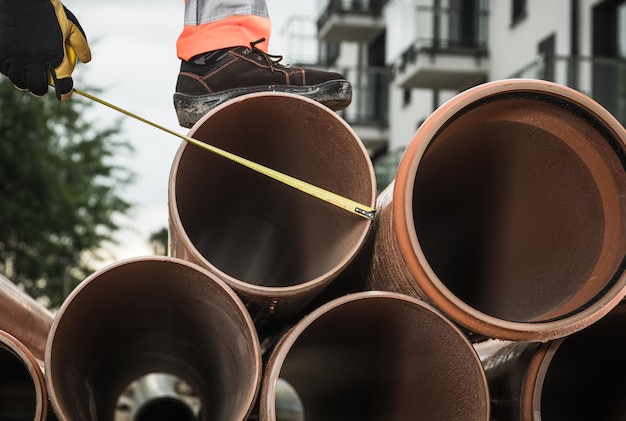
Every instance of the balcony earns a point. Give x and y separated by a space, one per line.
600 78
368 113
450 51
351 20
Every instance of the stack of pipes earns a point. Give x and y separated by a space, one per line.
488 286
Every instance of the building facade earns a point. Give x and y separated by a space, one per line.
405 58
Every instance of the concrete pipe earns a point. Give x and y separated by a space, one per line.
374 356
274 245
24 318
23 394
579 377
152 315
508 212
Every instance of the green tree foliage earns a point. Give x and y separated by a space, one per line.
58 191
158 241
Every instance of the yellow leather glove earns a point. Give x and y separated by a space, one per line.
39 43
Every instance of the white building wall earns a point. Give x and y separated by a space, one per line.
511 47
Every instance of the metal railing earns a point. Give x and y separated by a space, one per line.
370 95
454 29
364 7
601 78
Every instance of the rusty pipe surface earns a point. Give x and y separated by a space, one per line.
275 246
375 356
579 377
23 394
156 397
508 212
152 315
24 318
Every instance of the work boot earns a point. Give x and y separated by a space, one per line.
210 79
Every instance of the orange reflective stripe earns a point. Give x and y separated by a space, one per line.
233 31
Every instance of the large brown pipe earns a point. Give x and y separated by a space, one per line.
277 247
374 356
152 315
576 378
23 394
508 212
24 318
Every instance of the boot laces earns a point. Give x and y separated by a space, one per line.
271 60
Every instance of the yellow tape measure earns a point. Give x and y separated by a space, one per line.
325 195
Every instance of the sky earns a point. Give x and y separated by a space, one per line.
134 64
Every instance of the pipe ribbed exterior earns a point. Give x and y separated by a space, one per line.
152 315
24 318
23 394
374 356
508 212
275 246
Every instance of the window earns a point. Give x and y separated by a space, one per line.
406 97
518 8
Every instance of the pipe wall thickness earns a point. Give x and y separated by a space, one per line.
23 393
152 315
277 247
579 377
508 212
374 356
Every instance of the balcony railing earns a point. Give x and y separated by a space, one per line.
370 95
601 78
447 48
365 7
460 28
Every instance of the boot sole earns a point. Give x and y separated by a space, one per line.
335 94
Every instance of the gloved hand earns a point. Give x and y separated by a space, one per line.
36 39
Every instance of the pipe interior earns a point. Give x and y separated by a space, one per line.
18 398
146 317
254 228
380 359
165 409
518 207
585 378
158 396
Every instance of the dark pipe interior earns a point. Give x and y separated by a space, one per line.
508 211
585 379
17 389
384 359
165 409
257 229
149 316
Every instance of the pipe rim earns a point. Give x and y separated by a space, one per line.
281 350
413 255
34 370
250 288
236 300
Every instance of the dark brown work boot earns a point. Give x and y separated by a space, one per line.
210 79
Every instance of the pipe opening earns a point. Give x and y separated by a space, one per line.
289 406
152 315
585 378
256 229
518 206
379 358
18 396
158 397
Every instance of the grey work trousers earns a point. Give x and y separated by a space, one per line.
198 12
